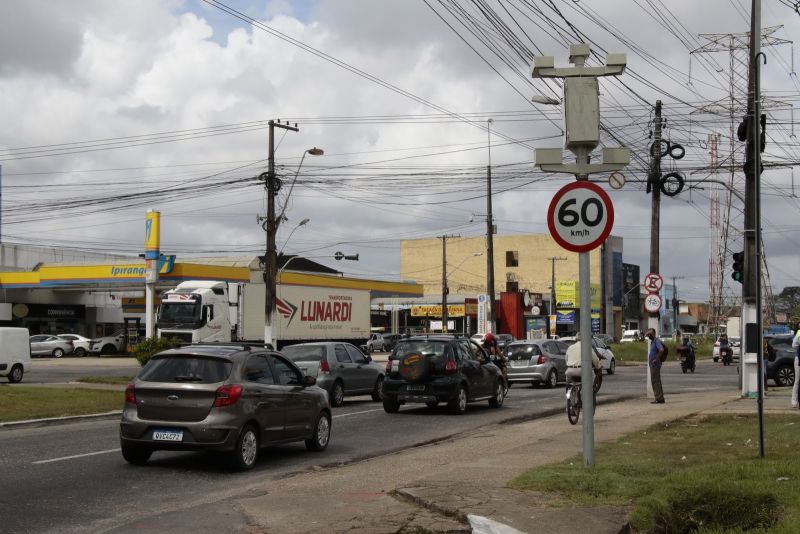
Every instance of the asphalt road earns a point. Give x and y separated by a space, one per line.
72 478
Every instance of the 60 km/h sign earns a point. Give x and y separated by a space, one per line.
580 216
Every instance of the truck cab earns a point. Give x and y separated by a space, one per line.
195 311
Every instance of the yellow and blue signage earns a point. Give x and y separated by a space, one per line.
152 235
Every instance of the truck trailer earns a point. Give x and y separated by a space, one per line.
198 311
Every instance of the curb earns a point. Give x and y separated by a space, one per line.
56 420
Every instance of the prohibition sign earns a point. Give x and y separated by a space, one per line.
616 180
653 282
580 216
652 303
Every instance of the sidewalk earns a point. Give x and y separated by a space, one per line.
434 488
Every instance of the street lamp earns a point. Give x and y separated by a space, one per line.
298 225
271 226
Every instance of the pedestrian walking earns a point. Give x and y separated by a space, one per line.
796 345
654 354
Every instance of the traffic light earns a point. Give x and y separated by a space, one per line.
738 266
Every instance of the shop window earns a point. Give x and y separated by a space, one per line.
512 258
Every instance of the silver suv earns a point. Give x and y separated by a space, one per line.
340 368
231 398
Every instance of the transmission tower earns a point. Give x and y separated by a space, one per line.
726 223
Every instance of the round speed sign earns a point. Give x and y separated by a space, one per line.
580 216
652 303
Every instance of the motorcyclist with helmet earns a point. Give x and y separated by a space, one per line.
496 356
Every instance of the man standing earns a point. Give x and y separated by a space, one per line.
654 362
796 344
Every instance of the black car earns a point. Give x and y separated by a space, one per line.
781 371
434 369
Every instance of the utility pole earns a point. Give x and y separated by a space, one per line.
654 187
272 185
675 305
553 260
490 236
445 289
752 331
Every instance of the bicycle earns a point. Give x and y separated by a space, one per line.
574 402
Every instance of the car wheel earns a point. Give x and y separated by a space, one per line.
80 352
552 380
784 375
58 353
337 394
244 456
612 367
459 403
390 406
136 455
15 376
432 404
108 349
499 395
322 433
377 391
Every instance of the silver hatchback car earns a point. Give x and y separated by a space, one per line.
540 361
340 368
230 398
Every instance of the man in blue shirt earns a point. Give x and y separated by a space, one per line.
654 362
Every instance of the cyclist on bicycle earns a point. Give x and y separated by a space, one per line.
574 361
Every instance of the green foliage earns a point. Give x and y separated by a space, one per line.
116 380
637 351
701 474
145 349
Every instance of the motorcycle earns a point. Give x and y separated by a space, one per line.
687 358
726 353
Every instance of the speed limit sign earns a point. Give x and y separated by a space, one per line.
580 216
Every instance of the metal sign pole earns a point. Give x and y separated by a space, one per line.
587 370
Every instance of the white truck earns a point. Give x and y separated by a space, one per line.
197 310
207 311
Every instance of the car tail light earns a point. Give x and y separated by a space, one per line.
228 395
324 367
130 394
542 358
450 367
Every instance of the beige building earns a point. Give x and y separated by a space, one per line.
523 262
520 262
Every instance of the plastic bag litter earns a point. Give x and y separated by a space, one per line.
484 525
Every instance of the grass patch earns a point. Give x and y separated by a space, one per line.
637 351
701 474
19 403
117 380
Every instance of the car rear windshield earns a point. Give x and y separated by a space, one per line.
522 352
424 347
304 353
186 368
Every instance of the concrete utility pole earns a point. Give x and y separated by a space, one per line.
582 119
675 312
752 348
553 260
272 185
445 289
490 236
654 184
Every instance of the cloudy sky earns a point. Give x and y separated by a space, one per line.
108 109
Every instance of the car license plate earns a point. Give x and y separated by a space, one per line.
519 363
415 388
167 435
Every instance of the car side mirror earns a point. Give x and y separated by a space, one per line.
309 381
368 358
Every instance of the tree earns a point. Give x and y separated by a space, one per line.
788 301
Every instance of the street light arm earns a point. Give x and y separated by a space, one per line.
314 152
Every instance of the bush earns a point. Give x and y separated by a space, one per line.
145 349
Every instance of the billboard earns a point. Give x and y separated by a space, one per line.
568 295
306 312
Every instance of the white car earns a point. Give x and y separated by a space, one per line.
608 363
80 343
108 344
734 342
629 336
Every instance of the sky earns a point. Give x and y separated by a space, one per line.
108 109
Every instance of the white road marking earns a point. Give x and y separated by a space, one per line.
357 413
75 456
